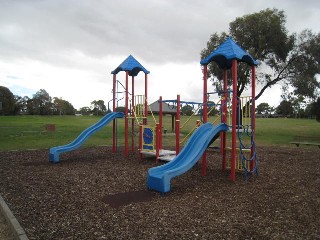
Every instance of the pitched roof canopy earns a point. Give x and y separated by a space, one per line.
226 52
166 108
131 65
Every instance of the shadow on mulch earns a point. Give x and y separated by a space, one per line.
122 199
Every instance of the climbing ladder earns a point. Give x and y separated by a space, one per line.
245 130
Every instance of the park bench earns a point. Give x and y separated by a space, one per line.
309 141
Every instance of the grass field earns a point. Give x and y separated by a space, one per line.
27 132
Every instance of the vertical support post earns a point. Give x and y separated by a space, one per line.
145 120
253 111
178 126
234 119
132 114
114 134
160 122
140 141
157 141
205 114
224 120
205 94
126 126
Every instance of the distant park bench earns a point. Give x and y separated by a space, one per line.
302 140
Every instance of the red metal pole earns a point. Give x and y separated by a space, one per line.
205 114
126 127
205 94
253 111
140 140
160 122
114 140
132 114
157 141
178 126
145 120
224 119
234 120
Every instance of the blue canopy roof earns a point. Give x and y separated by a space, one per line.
131 65
226 52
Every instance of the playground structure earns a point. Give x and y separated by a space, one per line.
237 115
227 56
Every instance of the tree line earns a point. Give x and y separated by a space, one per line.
41 103
292 109
286 108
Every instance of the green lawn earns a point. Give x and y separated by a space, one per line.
26 132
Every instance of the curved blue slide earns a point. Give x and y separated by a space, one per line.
55 151
159 177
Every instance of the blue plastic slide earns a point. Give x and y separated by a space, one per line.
159 177
55 151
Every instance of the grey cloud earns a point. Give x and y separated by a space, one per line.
159 31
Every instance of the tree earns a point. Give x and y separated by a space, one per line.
289 59
212 110
264 108
316 109
187 110
7 101
62 107
40 104
285 108
98 107
21 104
121 109
85 111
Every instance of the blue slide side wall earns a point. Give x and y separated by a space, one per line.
159 177
55 151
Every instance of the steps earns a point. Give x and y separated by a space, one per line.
164 155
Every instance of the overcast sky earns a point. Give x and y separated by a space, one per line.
70 47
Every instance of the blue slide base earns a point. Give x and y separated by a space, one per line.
158 184
54 157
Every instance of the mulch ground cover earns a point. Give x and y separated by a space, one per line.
94 194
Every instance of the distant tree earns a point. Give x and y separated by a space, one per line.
264 108
310 110
85 111
21 104
62 107
213 110
317 106
285 108
7 101
40 104
315 109
98 107
187 110
121 109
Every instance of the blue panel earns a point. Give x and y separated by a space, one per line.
131 65
226 52
147 147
